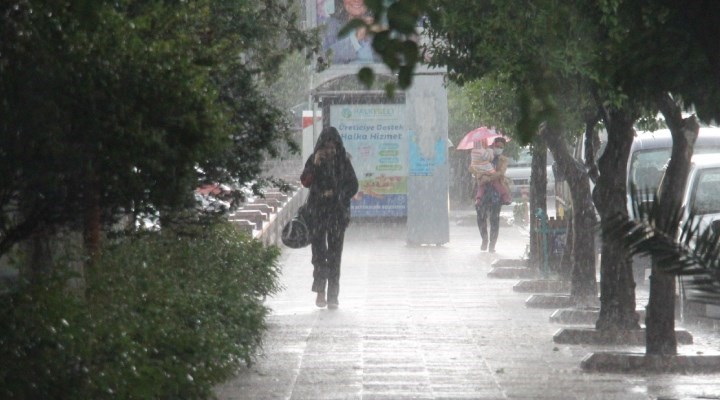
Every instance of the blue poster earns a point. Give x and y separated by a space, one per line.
422 165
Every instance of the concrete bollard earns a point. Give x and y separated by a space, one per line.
257 217
259 206
276 195
275 203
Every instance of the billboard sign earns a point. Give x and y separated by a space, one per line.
356 47
375 137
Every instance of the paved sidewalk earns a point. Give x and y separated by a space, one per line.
427 323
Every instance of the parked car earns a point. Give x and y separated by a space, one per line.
519 170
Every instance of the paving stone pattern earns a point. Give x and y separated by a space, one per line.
427 323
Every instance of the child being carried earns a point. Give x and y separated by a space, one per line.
482 168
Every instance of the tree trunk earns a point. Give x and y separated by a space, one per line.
38 257
660 319
568 258
92 220
592 145
617 288
583 283
538 195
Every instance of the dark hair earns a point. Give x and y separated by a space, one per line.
340 12
500 140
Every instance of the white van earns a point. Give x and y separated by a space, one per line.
649 155
701 198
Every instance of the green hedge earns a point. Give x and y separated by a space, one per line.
162 316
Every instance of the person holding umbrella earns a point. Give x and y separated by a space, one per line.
492 190
482 169
489 200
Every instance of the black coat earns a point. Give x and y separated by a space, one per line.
338 177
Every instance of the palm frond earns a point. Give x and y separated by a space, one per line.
692 252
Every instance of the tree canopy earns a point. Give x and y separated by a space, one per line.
130 103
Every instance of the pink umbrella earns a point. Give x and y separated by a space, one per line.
477 135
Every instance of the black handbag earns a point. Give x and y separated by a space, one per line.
295 233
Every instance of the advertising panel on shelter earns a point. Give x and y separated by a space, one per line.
375 137
354 48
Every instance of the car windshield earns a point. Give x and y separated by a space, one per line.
646 168
706 192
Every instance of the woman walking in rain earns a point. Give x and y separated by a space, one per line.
332 182
489 200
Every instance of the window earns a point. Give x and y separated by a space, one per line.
647 167
706 192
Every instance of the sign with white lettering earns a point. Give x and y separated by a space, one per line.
375 137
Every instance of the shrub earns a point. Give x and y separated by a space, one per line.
42 329
163 316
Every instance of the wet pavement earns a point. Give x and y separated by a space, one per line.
427 323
